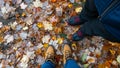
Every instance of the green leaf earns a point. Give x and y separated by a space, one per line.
63 35
84 56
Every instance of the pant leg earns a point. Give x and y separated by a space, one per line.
89 11
95 28
48 64
71 64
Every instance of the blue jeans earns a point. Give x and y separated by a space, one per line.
69 64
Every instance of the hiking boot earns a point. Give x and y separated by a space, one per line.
75 20
78 36
50 54
67 53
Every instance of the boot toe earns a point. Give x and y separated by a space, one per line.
76 37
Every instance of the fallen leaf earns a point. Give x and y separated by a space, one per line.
25 28
23 35
112 52
107 64
53 1
40 45
45 45
9 38
29 20
60 40
1 39
1 24
23 5
37 3
54 43
59 11
4 10
46 39
70 5
78 9
19 1
40 25
30 54
23 14
38 51
118 59
25 59
90 59
72 1
47 25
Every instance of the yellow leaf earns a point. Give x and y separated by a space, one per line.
45 45
40 25
60 40
70 5
78 9
112 52
73 45
23 14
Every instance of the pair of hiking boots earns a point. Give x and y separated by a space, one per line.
50 54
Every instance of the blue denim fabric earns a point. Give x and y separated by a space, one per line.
69 64
48 64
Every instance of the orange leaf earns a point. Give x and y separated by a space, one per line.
53 1
1 39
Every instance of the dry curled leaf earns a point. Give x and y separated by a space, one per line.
1 24
118 59
70 5
53 1
40 25
46 39
9 38
112 52
1 39
37 3
45 45
47 25
23 5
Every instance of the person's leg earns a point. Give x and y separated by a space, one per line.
93 28
71 64
88 12
48 64
50 58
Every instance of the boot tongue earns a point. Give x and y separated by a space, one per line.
68 55
51 58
